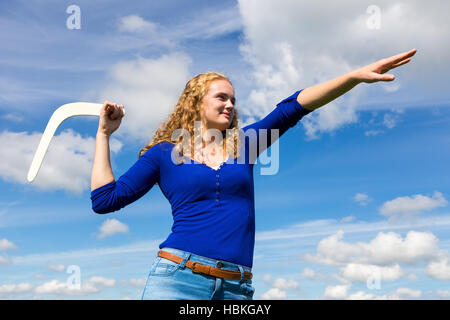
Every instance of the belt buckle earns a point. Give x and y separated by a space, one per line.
194 267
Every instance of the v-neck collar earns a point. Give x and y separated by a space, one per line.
212 168
201 163
217 168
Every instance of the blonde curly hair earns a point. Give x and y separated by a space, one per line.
189 109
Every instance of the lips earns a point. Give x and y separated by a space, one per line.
226 114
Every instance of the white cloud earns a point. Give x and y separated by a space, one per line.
57 267
381 255
348 219
5 244
406 293
206 23
362 199
389 120
11 289
439 268
332 251
55 287
391 87
139 283
365 273
87 254
444 294
398 294
67 164
409 206
311 274
384 250
284 284
111 227
289 46
134 23
4 260
296 233
336 292
380 259
412 277
198 24
279 287
104 40
149 90
373 132
329 119
274 294
89 286
361 295
102 281
390 248
267 277
15 117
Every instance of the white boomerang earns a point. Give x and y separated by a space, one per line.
62 113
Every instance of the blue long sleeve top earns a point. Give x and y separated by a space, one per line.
213 210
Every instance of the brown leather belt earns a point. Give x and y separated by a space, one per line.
197 267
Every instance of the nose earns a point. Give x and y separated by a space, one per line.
229 107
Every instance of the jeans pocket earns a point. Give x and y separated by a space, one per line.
164 268
247 289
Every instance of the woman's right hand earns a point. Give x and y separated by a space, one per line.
111 116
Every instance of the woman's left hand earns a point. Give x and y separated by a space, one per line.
375 72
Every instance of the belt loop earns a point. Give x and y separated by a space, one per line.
242 273
185 259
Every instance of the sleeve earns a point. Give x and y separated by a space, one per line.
131 186
287 114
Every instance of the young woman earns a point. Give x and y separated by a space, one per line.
203 164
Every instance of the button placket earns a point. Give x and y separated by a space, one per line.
217 187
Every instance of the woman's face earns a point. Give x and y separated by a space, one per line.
218 105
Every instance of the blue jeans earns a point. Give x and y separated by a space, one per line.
172 281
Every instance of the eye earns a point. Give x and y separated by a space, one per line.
225 98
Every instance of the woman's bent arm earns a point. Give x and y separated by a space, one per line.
101 169
111 116
107 194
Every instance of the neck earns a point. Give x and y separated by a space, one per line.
211 136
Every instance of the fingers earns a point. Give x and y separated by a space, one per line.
400 63
401 56
117 112
385 77
388 77
113 110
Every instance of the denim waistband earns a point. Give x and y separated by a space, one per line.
208 261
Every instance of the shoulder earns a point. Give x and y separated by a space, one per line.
165 146
159 148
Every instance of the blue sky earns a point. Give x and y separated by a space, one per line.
359 206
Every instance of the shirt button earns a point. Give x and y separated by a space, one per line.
217 175
217 192
217 200
217 183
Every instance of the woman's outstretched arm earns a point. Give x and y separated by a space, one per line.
319 95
